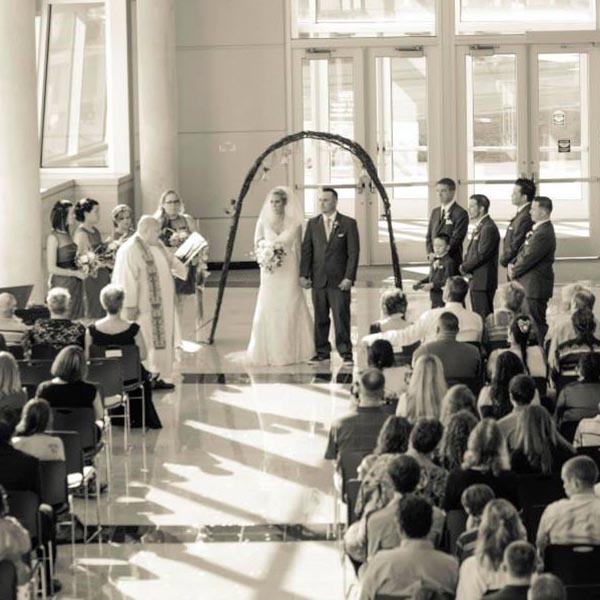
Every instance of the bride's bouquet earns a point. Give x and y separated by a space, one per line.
269 255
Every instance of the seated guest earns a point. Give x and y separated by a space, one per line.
58 331
11 327
455 439
494 399
14 545
588 432
458 397
564 357
547 587
30 434
424 439
392 439
579 399
519 565
68 388
393 309
112 330
474 500
381 356
486 461
382 527
538 447
12 395
426 390
459 359
510 297
442 267
425 327
521 391
519 339
482 573
359 429
575 519
576 296
415 562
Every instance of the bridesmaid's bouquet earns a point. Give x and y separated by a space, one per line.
88 262
269 255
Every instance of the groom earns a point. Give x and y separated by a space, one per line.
329 262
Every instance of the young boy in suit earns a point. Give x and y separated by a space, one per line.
442 267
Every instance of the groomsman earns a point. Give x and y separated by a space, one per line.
481 259
520 225
533 265
450 219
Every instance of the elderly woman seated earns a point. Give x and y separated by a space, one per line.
47 337
511 297
393 309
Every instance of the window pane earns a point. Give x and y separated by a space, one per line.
363 18
523 15
74 133
328 104
402 140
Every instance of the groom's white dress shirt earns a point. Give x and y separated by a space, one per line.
424 329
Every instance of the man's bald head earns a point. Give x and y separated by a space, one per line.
372 383
148 228
8 304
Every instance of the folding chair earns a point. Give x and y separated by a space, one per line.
535 492
575 564
8 580
43 352
79 475
34 372
567 429
107 374
456 523
16 351
592 451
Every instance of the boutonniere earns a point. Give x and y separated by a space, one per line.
334 226
437 264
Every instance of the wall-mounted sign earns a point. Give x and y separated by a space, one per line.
564 145
559 118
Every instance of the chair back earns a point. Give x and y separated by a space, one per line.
8 580
473 383
54 482
107 374
24 506
34 372
456 523
592 451
81 419
541 384
404 358
43 352
583 592
348 462
567 429
575 564
73 450
352 491
16 351
131 365
539 489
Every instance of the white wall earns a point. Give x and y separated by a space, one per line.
232 105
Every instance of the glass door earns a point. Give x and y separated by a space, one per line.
400 136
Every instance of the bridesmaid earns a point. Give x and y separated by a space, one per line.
88 239
174 220
122 219
61 251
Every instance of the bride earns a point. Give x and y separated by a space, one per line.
282 330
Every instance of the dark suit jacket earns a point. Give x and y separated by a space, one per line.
481 258
19 472
533 266
455 228
326 263
520 225
445 267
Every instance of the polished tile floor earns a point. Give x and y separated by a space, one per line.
232 499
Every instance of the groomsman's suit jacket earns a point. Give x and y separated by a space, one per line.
533 266
325 262
481 258
520 225
455 226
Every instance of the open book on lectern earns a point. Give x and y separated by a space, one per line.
191 248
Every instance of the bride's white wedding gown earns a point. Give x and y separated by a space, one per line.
282 330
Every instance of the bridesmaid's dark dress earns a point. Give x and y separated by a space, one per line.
93 285
127 338
65 259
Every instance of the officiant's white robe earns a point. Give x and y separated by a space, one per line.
131 272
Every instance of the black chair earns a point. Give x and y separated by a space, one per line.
567 429
592 451
473 383
535 492
575 564
16 351
348 462
44 352
583 592
34 372
8 580
455 525
352 491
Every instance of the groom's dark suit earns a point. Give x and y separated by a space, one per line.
326 263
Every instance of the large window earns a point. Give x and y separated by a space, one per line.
362 18
515 16
74 132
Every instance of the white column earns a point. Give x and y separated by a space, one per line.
20 203
157 91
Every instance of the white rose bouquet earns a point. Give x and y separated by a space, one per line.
269 255
89 263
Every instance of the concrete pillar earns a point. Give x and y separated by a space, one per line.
157 91
20 204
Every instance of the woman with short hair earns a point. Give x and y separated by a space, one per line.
12 395
511 298
393 310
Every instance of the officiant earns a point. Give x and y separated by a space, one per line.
145 269
175 228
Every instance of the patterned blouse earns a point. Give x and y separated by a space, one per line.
57 333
